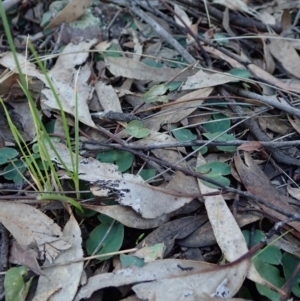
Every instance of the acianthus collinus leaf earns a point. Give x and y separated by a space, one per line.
216 171
136 129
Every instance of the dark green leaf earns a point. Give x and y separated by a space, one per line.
127 260
136 129
122 159
240 72
147 174
215 170
6 154
271 274
184 135
13 170
224 137
270 254
172 86
112 51
219 123
220 38
15 287
152 63
156 94
111 243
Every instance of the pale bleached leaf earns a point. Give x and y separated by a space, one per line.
32 229
65 277
64 75
204 79
108 98
131 190
169 279
226 229
183 15
130 68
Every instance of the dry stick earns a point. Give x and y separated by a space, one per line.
265 99
95 145
224 188
287 288
162 33
235 18
195 37
259 134
3 255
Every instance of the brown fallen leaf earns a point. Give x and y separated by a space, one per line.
21 256
251 146
176 229
72 11
259 185
204 235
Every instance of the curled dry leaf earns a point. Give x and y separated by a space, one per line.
267 77
33 229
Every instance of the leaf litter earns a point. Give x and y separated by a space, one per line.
185 104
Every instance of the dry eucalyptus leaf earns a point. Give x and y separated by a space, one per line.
204 236
259 185
226 229
72 11
176 229
108 97
66 277
180 109
284 52
63 76
267 77
130 68
149 201
21 256
173 279
32 229
204 80
128 217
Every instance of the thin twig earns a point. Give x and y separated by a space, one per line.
162 33
95 145
269 100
